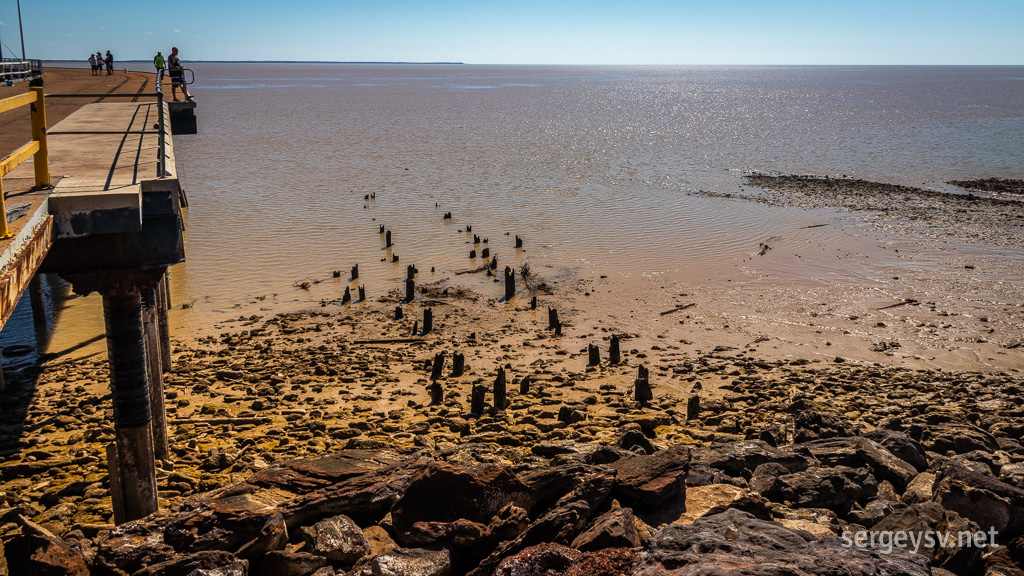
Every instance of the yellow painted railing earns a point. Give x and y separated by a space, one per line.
36 148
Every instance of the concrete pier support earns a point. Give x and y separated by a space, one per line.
129 381
154 369
163 298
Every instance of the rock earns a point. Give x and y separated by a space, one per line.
989 502
958 437
282 563
411 562
273 536
702 499
740 458
1012 474
548 558
735 542
901 446
208 561
815 424
614 529
631 436
930 518
39 553
453 504
1007 560
833 488
860 452
652 480
338 539
919 489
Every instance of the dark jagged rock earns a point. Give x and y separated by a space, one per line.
815 424
338 539
858 452
409 562
208 562
739 459
958 437
929 516
1007 560
632 436
38 552
736 543
283 563
446 503
547 558
987 501
652 480
613 529
902 446
834 488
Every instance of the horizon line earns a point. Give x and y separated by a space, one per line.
456 63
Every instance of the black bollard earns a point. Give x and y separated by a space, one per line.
362 293
499 390
524 385
355 271
614 356
594 354
387 238
476 401
692 407
485 253
458 364
519 242
510 283
410 290
347 297
428 321
437 366
399 313
642 386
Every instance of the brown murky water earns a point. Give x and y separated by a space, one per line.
596 168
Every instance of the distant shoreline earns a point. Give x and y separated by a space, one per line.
281 62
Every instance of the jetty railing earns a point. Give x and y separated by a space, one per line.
36 149
13 70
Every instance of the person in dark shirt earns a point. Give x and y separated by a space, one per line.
109 61
177 74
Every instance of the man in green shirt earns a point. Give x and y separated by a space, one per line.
158 61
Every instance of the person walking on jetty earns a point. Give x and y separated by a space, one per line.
92 63
109 61
158 62
177 74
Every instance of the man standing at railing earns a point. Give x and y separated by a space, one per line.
177 74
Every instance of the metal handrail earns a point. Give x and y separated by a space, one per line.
36 148
16 70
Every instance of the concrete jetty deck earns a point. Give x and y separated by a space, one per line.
106 218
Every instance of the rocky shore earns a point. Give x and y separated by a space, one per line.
307 443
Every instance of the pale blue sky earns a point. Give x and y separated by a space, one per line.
528 31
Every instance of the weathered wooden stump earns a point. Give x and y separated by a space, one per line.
410 271
476 399
476 239
552 318
469 228
394 257
485 253
614 355
594 355
415 327
347 297
362 293
519 242
336 274
510 283
410 290
642 386
381 228
387 238
436 393
399 313
428 320
692 408
499 390
355 271
437 366
458 364
524 385
533 303
447 216
472 253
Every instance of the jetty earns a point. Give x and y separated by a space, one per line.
95 198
